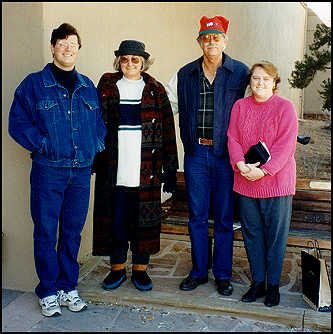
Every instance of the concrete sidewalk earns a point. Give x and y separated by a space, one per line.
165 308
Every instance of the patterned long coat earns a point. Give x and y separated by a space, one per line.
158 151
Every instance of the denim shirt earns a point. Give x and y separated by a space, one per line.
230 85
57 130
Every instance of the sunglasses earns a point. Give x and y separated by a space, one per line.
124 60
208 37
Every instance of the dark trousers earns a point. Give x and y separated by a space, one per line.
208 176
59 196
265 226
125 217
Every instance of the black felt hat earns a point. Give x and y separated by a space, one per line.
131 47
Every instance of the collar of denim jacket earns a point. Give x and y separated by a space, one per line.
49 79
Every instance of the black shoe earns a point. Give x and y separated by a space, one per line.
256 290
190 283
224 287
303 140
114 279
141 280
272 296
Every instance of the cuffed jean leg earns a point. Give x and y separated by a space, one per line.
253 234
72 220
196 173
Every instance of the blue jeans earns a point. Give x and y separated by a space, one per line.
265 226
59 195
209 179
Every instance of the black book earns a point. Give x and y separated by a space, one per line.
257 153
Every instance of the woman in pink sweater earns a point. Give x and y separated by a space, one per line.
264 191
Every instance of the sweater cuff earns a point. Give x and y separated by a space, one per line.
266 172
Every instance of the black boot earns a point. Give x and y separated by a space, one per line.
141 280
272 296
256 290
114 279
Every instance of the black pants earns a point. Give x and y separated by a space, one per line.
125 217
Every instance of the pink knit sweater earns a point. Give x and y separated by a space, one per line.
274 122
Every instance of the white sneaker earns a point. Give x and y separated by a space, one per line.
72 300
50 306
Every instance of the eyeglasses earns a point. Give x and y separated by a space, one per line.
124 60
208 37
62 45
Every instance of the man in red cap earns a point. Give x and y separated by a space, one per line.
203 92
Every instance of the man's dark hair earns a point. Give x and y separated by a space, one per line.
62 32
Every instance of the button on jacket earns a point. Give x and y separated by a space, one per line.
230 84
57 130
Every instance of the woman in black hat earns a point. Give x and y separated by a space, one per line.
140 154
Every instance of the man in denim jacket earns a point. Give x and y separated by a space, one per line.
203 92
56 116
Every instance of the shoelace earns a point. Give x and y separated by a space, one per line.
74 297
50 301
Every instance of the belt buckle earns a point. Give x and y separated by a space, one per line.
203 141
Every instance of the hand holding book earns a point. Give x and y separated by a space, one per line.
251 172
256 156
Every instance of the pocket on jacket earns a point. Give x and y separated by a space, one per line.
47 110
89 109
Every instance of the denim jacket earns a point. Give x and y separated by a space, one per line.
230 84
57 130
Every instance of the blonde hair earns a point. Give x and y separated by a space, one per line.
146 63
270 69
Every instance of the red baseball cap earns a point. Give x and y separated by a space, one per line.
213 25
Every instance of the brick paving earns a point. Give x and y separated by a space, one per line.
168 268
173 263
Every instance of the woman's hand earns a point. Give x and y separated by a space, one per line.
253 173
243 167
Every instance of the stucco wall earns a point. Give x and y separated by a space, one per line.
271 31
22 41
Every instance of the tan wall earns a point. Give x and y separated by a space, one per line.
312 99
21 54
272 31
